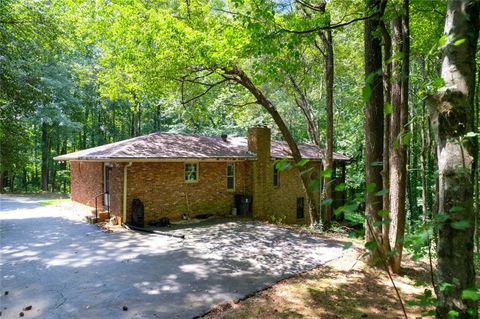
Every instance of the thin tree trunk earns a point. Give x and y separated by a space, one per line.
242 79
45 157
423 166
449 113
373 126
301 100
2 178
387 85
326 37
477 174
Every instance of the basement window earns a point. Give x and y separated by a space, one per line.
230 176
276 177
191 172
300 207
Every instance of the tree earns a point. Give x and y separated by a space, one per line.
373 94
449 110
398 136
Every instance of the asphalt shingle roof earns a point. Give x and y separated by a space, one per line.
158 146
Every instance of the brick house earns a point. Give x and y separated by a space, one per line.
176 174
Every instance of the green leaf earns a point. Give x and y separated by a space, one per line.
327 202
340 187
407 137
382 192
347 245
327 173
472 312
443 40
306 171
453 314
371 245
366 93
354 218
458 42
371 187
379 223
302 163
445 286
282 165
470 294
392 252
383 213
387 108
438 83
456 209
370 77
314 185
460 224
440 218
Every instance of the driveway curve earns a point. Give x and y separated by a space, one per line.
66 268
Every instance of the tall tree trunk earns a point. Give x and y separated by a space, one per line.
449 113
326 37
477 174
423 166
63 167
387 85
424 154
373 125
398 151
45 157
242 79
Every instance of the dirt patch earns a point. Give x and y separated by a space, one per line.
342 288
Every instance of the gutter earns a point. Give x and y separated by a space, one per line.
124 217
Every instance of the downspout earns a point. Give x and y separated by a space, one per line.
124 217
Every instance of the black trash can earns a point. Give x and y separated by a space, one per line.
243 203
138 214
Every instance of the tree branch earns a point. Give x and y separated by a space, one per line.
328 27
210 86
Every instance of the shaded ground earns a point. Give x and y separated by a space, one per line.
343 288
66 268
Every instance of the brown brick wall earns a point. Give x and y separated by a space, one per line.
86 181
284 197
164 193
161 187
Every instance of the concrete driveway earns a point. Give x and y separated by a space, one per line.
65 268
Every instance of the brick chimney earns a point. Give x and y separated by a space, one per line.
259 141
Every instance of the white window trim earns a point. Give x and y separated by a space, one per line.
185 168
234 179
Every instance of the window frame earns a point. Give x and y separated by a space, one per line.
276 172
230 164
197 172
297 206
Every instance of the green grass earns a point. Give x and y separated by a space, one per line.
54 201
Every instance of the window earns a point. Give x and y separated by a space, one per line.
300 207
191 172
276 177
230 176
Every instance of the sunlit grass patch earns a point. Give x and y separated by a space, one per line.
54 201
